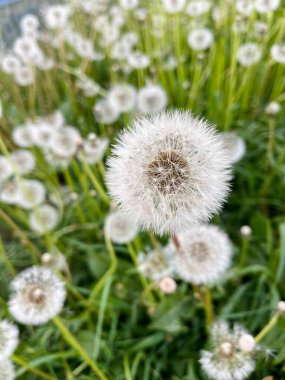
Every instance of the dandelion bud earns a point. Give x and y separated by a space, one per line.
281 306
245 231
167 285
246 343
273 108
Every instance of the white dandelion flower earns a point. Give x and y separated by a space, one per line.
9 192
273 108
129 4
247 343
43 219
119 228
277 53
9 339
169 171
56 16
200 39
197 8
24 76
43 135
23 135
249 54
27 49
23 161
156 264
31 193
245 7
37 296
6 169
105 112
7 371
10 64
151 99
123 96
138 60
235 145
65 141
245 231
29 22
55 119
266 6
173 6
204 254
94 148
226 361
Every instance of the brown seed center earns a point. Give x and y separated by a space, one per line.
37 295
167 172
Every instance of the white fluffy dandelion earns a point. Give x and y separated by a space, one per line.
37 296
6 169
23 136
200 39
169 171
123 96
31 193
204 254
94 148
226 361
249 54
7 371
273 108
129 4
65 141
23 161
24 76
173 6
9 335
151 99
277 53
266 6
105 112
119 228
235 146
197 8
43 219
156 264
56 16
9 192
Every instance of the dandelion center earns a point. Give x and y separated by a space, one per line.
167 172
37 295
199 250
226 349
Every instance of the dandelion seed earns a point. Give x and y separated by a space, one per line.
119 228
204 254
8 339
226 361
169 171
245 231
37 296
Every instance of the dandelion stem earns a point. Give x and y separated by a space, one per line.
208 306
25 240
16 359
76 345
6 260
267 327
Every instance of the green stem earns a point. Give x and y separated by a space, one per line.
6 260
267 327
76 345
16 359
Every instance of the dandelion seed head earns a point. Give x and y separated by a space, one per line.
151 99
7 371
277 53
9 339
43 219
204 254
226 361
200 39
249 54
119 228
169 171
37 296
